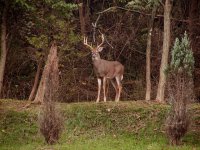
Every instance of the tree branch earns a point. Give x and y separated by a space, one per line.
110 9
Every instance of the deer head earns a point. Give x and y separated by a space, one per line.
95 50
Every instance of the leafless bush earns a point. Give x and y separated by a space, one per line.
180 92
51 122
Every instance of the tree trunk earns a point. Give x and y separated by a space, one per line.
165 53
84 15
195 42
82 19
3 49
36 81
148 56
193 24
49 78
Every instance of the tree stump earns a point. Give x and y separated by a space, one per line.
49 83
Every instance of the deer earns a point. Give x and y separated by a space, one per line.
104 69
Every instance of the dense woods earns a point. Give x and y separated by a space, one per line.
139 34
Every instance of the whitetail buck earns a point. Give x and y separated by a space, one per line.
105 69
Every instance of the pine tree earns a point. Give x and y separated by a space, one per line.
182 56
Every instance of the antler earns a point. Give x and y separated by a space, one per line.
103 39
86 43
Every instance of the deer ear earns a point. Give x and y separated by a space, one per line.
99 49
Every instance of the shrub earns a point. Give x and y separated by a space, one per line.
51 122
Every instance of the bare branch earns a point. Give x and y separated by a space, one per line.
94 25
108 43
116 7
163 5
102 40
110 9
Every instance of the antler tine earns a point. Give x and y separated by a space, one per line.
85 42
103 39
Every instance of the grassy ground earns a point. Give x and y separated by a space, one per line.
88 126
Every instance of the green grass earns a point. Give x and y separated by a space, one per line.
89 126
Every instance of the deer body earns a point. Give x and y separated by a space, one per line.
104 70
108 69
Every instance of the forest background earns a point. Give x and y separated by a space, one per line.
28 28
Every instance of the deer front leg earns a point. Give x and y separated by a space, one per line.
99 89
104 89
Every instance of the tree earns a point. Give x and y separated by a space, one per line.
50 119
84 16
8 24
49 76
145 5
4 49
180 86
53 26
193 23
195 41
37 79
165 52
148 55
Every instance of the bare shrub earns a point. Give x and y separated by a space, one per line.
51 122
180 90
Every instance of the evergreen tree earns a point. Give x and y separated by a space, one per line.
180 88
182 56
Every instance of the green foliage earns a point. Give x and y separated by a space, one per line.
54 22
182 56
142 4
62 8
24 4
40 41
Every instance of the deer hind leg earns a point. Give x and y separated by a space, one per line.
119 88
104 89
99 89
116 90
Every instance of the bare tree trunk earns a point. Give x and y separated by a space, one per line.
36 81
49 77
84 15
193 24
3 49
195 42
82 19
165 53
148 56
